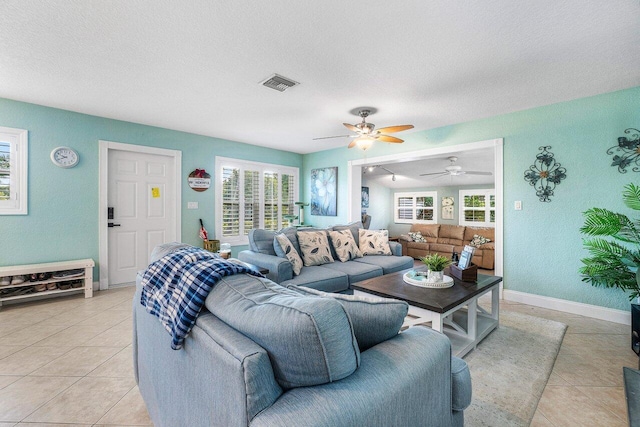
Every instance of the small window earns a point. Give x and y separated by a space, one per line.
412 208
13 171
478 208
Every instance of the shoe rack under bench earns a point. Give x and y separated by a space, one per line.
49 267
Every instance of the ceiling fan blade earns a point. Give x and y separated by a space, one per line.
388 138
477 173
351 127
329 137
352 143
394 129
434 173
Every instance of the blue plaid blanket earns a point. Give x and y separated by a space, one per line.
174 287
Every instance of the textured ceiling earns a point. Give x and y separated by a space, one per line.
195 66
408 173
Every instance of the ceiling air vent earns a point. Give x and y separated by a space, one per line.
279 83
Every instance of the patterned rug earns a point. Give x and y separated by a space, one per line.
510 369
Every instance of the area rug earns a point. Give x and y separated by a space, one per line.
510 369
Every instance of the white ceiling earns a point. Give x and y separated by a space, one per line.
408 173
195 66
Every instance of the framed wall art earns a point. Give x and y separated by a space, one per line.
365 197
324 191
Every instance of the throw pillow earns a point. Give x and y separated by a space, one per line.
283 242
374 242
477 241
310 340
374 319
344 245
314 246
417 237
353 226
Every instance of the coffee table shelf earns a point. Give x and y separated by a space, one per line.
453 311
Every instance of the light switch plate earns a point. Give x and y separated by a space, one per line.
517 205
192 205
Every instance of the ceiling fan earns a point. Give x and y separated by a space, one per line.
366 132
455 170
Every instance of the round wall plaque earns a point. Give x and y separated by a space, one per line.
199 180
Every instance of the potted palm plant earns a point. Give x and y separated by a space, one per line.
615 249
436 263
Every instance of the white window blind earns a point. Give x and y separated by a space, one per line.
478 207
13 171
418 207
253 195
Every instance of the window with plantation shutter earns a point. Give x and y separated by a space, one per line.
230 202
287 199
419 207
253 195
477 207
13 171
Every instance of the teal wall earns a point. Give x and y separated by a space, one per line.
62 222
542 243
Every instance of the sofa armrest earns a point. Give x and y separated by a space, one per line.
280 269
403 381
229 377
405 238
396 248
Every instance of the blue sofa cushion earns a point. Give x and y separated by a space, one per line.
320 277
261 241
374 319
389 264
310 340
357 271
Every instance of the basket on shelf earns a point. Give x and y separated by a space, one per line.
211 245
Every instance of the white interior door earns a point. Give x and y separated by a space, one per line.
142 192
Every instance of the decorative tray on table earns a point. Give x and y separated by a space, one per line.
419 278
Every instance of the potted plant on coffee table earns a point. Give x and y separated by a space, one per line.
436 263
614 261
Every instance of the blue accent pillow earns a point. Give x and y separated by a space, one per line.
310 340
374 319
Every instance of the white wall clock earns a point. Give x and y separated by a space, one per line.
64 157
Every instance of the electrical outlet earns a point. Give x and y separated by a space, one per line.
517 205
192 205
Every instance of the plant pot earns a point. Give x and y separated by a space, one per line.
635 329
435 276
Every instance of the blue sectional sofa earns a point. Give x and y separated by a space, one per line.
331 277
260 354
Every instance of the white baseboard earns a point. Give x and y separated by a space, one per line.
588 310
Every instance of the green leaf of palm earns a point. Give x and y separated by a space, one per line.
631 196
601 222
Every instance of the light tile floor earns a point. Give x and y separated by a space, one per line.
67 361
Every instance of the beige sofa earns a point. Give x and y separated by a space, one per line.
445 239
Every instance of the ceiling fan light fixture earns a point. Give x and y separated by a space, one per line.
364 143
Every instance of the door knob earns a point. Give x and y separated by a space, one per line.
111 224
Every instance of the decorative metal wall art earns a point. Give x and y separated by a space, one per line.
544 174
630 149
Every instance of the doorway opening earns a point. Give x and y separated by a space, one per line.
394 163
